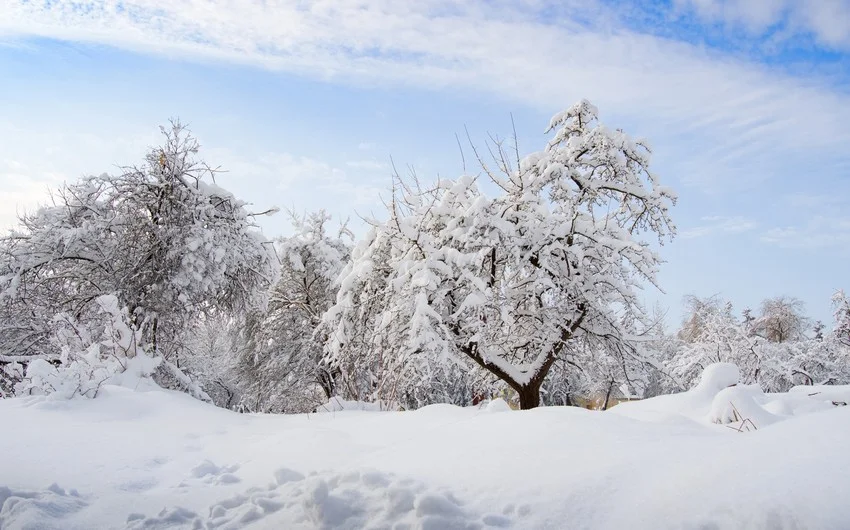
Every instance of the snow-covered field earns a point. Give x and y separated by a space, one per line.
152 458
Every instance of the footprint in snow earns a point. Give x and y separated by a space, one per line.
329 500
154 463
48 507
139 485
210 473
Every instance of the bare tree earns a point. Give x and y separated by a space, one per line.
781 319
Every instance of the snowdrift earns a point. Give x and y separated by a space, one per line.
160 459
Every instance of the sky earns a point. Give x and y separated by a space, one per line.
310 105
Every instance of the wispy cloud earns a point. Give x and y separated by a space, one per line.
44 159
307 182
818 202
826 21
819 232
718 224
541 53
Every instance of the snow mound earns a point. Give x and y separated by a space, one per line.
719 399
210 473
716 377
695 404
336 404
44 510
498 405
350 500
737 406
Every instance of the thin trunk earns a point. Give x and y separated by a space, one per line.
608 395
153 337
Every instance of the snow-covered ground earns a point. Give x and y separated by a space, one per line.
158 459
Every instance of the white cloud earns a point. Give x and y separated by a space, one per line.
365 146
827 21
819 232
41 160
741 122
718 224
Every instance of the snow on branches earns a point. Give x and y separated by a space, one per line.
770 349
281 368
162 237
510 282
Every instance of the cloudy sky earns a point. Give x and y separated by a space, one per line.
746 104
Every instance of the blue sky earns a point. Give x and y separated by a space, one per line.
746 103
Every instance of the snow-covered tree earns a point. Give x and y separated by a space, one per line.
710 334
781 320
770 350
162 238
281 366
841 317
212 349
508 283
817 330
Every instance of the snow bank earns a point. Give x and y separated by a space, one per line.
838 393
161 459
695 404
716 377
718 399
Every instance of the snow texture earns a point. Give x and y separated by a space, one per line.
158 459
351 500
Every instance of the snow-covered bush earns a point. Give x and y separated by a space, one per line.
90 356
163 238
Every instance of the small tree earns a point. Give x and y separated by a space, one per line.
841 318
507 283
212 348
282 367
781 320
710 333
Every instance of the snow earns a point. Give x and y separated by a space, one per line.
337 404
152 458
825 392
693 404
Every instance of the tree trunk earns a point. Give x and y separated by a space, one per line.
154 345
608 395
529 396
327 380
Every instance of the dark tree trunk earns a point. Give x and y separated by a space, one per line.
154 345
327 380
608 395
529 396
529 393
